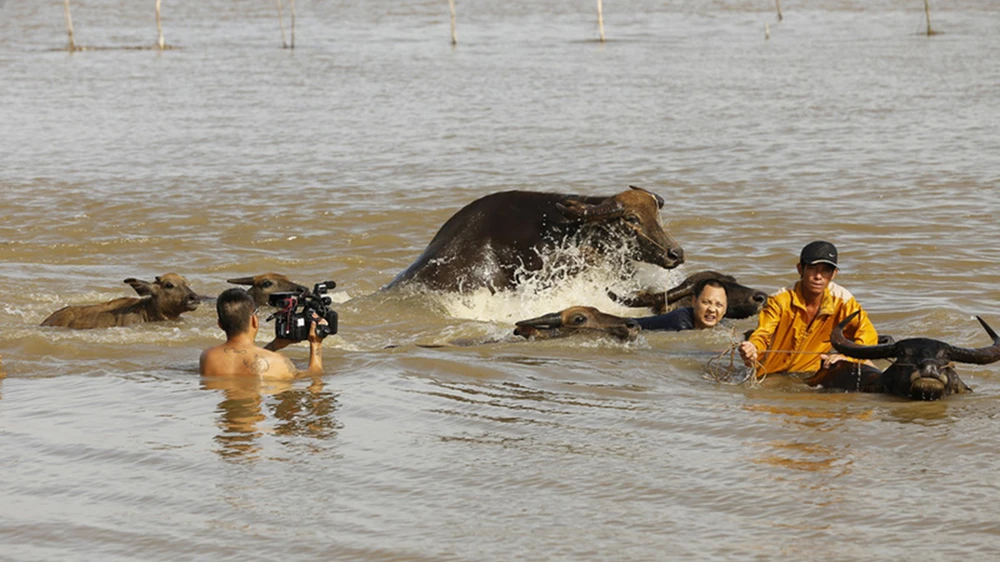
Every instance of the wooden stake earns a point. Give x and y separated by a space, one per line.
159 26
778 4
281 21
927 12
69 25
292 2
767 31
600 19
454 34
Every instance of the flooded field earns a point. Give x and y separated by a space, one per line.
228 156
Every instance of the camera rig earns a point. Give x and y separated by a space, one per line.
297 309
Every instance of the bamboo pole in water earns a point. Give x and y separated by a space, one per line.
454 34
778 4
927 12
69 25
159 26
281 22
292 2
600 20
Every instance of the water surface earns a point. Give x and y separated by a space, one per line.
228 156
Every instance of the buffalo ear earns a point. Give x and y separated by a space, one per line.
143 288
570 211
659 200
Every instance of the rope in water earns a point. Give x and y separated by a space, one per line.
739 373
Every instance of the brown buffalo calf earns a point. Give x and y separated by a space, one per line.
577 320
261 286
164 299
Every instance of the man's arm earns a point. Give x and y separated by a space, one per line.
278 343
280 366
761 338
860 331
675 321
864 332
315 367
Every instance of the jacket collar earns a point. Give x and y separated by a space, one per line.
825 306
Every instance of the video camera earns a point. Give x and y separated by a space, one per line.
296 309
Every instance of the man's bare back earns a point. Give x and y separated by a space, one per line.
229 360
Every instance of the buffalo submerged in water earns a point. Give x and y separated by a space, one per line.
923 368
497 239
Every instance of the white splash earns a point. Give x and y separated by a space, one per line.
570 277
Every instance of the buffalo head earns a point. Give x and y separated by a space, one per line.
261 286
170 293
635 212
577 319
923 367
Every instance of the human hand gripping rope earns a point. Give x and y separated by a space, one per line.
726 372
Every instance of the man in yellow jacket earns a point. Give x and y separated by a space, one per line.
793 334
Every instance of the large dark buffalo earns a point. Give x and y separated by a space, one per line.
744 301
495 240
577 320
922 369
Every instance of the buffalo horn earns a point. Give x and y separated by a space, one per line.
241 281
851 349
980 356
678 293
553 320
610 208
659 200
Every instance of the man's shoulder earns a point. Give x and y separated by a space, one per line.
684 317
675 320
781 298
838 291
212 353
785 292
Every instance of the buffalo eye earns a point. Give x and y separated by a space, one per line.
168 285
579 319
266 285
632 219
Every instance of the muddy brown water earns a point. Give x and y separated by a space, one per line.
229 156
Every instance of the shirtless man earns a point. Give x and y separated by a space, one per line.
240 356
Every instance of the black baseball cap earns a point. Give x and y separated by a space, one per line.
819 252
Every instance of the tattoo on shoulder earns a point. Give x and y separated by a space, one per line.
257 365
234 350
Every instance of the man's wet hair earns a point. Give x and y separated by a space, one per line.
700 286
235 307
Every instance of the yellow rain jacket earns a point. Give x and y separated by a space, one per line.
782 326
